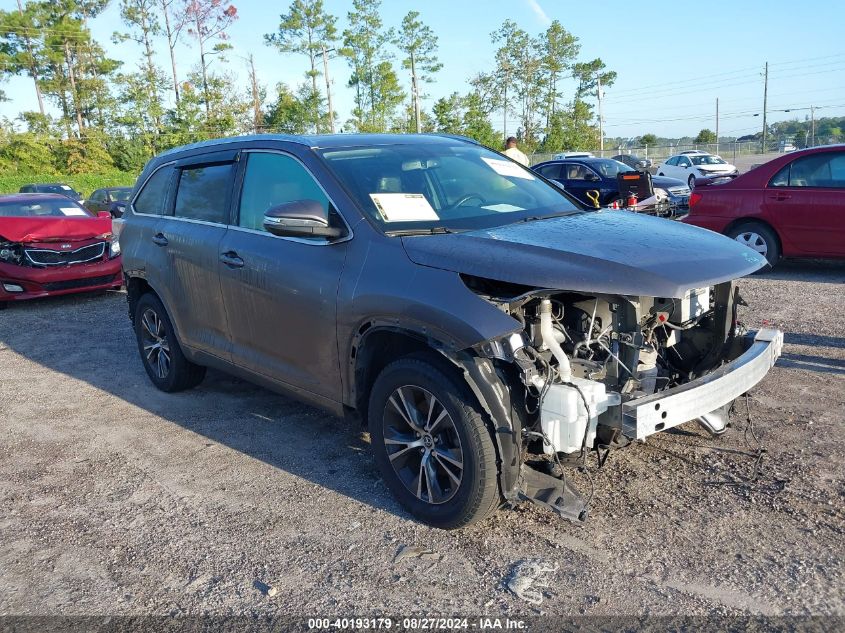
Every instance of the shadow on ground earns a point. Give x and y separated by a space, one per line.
89 338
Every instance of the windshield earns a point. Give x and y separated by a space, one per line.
707 160
609 168
49 208
427 186
121 195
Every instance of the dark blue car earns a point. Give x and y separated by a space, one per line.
580 175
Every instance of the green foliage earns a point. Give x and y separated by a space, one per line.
705 136
307 29
571 129
648 139
290 114
377 89
84 183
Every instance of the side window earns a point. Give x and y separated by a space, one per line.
97 196
203 193
683 161
672 161
550 171
575 172
152 197
815 170
780 179
837 170
272 179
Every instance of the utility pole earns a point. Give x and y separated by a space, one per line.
328 86
601 116
256 103
717 125
32 66
765 102
812 126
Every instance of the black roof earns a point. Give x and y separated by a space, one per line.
322 141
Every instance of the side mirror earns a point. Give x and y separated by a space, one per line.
300 218
558 184
117 209
103 214
591 177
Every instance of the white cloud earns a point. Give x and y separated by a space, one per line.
538 11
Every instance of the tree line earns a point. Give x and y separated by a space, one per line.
96 112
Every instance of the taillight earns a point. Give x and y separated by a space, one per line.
693 199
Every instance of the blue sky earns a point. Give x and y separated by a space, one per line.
673 59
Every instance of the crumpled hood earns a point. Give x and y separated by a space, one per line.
53 229
611 252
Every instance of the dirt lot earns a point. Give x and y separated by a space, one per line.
118 499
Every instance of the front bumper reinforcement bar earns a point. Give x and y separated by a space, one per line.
651 414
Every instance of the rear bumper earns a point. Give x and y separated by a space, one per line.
58 280
705 222
651 414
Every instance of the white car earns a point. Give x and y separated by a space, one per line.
565 155
688 167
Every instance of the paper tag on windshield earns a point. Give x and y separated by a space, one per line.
502 208
72 211
507 168
403 207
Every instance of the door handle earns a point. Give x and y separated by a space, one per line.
780 196
159 239
231 259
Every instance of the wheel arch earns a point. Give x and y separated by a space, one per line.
378 344
137 285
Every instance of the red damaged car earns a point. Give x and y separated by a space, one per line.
50 245
792 206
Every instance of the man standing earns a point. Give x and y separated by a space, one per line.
514 153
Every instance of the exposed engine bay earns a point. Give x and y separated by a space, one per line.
584 360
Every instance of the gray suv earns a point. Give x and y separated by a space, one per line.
487 328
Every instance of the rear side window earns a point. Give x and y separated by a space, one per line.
826 169
203 193
550 171
152 197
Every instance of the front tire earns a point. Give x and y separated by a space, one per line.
691 182
431 443
161 353
758 237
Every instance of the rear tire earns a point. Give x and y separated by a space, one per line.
760 238
161 354
691 182
432 444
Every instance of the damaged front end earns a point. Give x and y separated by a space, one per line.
589 371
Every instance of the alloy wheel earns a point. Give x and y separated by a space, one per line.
753 240
156 345
423 445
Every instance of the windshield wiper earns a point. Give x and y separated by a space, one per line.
435 230
531 218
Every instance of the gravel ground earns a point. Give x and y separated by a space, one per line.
118 499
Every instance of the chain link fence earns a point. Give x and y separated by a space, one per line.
730 151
